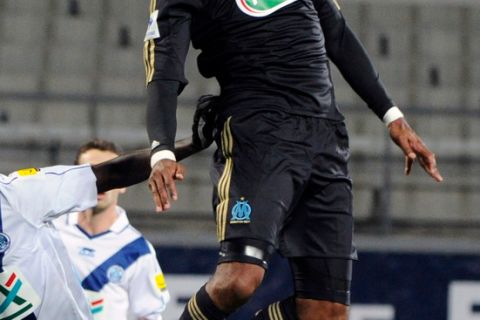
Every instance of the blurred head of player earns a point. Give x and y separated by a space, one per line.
94 152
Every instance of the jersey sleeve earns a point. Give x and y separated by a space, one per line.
167 39
44 194
147 291
346 51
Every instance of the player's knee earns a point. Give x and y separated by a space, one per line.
240 271
234 283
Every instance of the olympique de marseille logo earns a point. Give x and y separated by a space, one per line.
241 212
261 8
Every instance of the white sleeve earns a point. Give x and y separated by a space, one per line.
44 194
147 291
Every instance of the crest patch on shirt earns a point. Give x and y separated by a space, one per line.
17 297
4 242
28 172
115 274
261 8
152 29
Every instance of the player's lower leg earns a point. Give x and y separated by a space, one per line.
284 309
201 307
309 309
303 309
322 287
231 286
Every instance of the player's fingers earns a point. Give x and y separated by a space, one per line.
170 187
404 144
427 160
429 164
410 155
180 173
163 193
159 177
408 165
156 196
420 148
435 174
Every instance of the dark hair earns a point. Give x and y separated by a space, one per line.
98 144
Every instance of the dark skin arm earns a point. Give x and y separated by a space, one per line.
165 172
134 167
351 58
413 148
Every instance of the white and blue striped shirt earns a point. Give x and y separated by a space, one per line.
118 269
36 277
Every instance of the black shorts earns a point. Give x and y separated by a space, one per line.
283 179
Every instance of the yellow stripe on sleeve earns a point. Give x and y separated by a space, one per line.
197 310
336 4
149 50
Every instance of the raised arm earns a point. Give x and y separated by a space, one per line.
134 167
166 46
123 171
347 52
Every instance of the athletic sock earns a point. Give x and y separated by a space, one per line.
201 307
280 310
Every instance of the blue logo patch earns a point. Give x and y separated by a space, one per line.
4 242
87 252
115 274
241 212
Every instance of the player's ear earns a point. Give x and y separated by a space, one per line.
122 190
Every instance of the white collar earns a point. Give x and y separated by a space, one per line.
122 221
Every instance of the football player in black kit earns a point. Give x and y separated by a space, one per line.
280 171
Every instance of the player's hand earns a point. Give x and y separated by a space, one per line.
413 148
162 183
203 128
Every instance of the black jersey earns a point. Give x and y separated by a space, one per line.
279 57
269 54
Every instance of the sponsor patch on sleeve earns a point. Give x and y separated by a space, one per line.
17 297
28 172
160 281
152 29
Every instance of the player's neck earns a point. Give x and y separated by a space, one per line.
99 222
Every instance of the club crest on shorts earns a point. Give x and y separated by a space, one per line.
4 242
115 274
241 212
261 8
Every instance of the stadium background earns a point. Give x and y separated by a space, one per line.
71 70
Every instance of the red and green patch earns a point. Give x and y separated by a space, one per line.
261 8
17 298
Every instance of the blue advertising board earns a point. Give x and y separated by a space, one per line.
386 285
